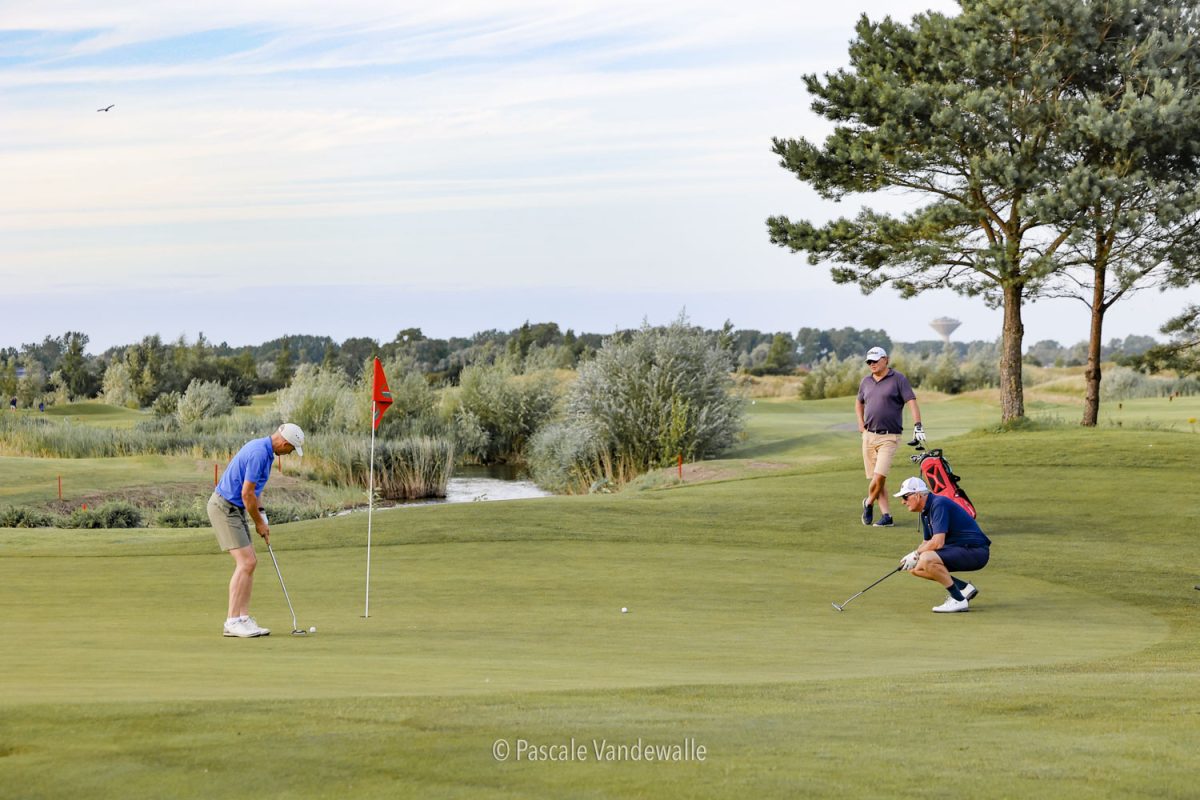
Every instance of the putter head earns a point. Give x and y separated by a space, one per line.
835 605
299 632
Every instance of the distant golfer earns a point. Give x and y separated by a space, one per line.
882 396
235 499
953 542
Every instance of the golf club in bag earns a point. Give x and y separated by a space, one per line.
296 629
873 585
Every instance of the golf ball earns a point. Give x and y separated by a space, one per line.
313 629
624 610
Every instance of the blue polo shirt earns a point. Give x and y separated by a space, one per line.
252 463
943 515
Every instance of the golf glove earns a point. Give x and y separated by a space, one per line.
918 436
909 561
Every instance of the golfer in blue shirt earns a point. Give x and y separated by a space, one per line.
235 503
953 542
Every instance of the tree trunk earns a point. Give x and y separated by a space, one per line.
1091 402
1012 392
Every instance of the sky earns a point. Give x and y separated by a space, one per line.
355 169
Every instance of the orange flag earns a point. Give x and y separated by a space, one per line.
380 393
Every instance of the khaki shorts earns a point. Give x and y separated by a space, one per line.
229 522
877 450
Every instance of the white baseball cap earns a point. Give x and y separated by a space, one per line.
911 486
876 353
292 434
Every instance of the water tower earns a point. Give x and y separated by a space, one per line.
944 327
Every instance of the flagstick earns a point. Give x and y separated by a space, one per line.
370 510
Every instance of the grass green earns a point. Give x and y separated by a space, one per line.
1073 676
95 413
34 481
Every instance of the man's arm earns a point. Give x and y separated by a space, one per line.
859 410
934 542
250 500
915 411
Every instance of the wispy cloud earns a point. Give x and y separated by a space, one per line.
494 143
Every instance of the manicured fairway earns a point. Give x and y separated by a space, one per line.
477 618
1073 676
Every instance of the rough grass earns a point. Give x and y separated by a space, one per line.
1073 676
149 482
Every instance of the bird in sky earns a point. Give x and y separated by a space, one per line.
106 108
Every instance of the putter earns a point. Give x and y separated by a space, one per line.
876 583
296 629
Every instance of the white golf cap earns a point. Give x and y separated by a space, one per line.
911 486
292 434
876 353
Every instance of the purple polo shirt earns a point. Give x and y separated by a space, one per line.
883 401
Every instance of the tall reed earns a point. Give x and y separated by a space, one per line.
41 438
405 469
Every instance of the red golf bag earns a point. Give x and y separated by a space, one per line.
940 479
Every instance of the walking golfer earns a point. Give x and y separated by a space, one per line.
882 396
953 542
234 504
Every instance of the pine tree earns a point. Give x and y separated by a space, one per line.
979 115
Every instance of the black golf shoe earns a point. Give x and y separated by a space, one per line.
885 521
868 512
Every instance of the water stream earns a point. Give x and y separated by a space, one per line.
477 484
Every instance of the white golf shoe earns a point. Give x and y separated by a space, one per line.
969 591
261 630
244 628
951 605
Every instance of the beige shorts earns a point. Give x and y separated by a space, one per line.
229 522
878 450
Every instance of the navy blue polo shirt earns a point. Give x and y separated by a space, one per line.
943 515
883 401
252 463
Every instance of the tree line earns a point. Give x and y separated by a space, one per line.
154 372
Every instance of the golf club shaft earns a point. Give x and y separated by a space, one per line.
283 586
873 585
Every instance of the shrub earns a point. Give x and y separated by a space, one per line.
412 408
172 516
321 400
507 407
165 405
569 457
204 400
118 386
324 400
296 512
640 403
948 371
84 518
470 439
14 517
114 514
831 377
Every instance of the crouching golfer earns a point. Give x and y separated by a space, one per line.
953 543
235 498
